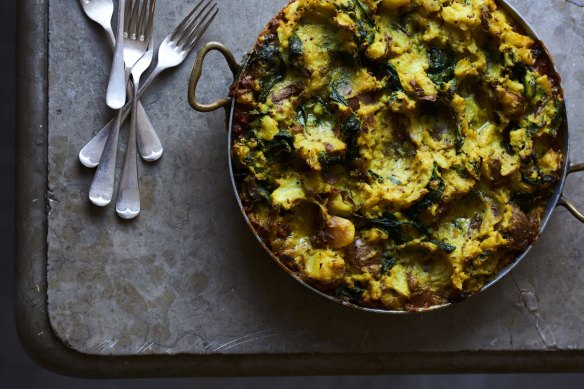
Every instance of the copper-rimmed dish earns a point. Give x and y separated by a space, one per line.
341 287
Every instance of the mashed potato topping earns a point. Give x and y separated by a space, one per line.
397 154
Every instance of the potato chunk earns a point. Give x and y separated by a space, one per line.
289 192
340 231
324 266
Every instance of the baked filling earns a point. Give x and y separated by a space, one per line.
397 154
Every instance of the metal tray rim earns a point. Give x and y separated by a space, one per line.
49 351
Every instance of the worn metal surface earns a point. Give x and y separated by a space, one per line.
188 277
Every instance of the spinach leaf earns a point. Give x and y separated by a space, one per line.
281 147
364 34
441 65
461 171
506 141
268 83
352 295
436 185
386 222
264 194
255 190
302 115
326 161
558 118
389 223
364 13
384 71
376 176
533 93
351 129
326 107
240 174
284 137
518 72
253 135
446 247
387 262
524 201
472 170
303 110
269 58
532 128
365 23
509 60
458 137
401 27
476 166
540 180
353 152
435 191
294 48
337 97
393 83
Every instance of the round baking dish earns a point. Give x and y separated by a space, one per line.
556 199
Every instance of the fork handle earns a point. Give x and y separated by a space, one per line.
91 152
128 201
116 89
149 144
102 187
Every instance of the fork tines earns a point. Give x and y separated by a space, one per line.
135 15
190 30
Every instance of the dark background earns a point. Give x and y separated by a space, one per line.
17 370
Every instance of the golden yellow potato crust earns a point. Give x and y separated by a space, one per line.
397 154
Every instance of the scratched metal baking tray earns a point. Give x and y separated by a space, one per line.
185 289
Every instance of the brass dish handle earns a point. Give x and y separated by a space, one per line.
198 70
564 202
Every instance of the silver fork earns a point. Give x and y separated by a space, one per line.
172 52
128 201
137 36
101 12
116 87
